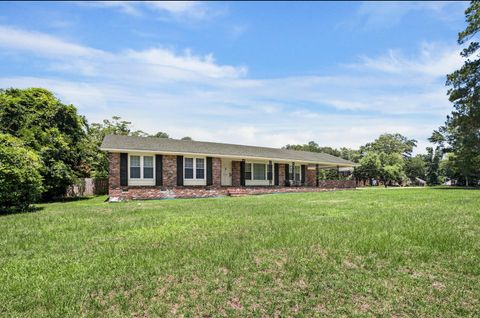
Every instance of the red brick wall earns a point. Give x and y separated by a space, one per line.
236 173
113 169
169 171
217 172
139 193
311 177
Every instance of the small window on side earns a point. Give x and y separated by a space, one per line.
148 167
248 171
135 167
188 163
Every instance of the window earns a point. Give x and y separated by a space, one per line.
188 168
200 168
135 167
259 171
297 173
194 168
142 167
148 167
248 171
290 172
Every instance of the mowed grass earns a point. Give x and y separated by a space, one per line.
370 252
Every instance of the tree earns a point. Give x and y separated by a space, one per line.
390 144
392 173
50 128
461 129
187 138
392 168
449 167
432 159
161 134
369 167
312 146
20 179
415 167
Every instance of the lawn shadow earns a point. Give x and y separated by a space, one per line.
68 199
455 188
10 211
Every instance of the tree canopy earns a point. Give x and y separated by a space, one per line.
20 179
50 128
461 132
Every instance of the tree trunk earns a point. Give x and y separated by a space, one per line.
466 180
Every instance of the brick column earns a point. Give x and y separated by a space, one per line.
113 170
169 171
217 172
281 175
311 177
236 173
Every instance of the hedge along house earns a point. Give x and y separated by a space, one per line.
150 168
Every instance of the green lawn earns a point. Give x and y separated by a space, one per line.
370 252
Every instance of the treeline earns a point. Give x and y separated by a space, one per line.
46 146
389 159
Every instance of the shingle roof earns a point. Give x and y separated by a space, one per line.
128 143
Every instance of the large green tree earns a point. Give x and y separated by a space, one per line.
461 132
50 128
391 144
415 167
20 180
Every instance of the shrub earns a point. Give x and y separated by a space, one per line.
20 180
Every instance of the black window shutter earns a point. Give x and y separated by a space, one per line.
304 172
158 170
179 170
242 173
316 175
269 171
277 182
287 177
124 169
209 171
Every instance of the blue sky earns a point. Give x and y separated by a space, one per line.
338 73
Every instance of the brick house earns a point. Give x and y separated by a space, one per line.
150 168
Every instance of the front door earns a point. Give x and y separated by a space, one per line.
226 172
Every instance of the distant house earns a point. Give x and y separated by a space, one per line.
149 167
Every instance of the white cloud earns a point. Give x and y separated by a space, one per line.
44 44
157 64
167 9
128 7
433 61
180 8
186 94
385 14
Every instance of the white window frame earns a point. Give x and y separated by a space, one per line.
141 181
299 173
264 182
249 164
265 171
195 180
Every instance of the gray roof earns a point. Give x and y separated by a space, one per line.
164 145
